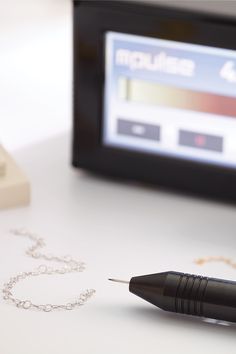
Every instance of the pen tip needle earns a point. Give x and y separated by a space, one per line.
119 281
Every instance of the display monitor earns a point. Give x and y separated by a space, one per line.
170 98
155 95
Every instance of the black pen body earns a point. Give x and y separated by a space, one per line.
188 294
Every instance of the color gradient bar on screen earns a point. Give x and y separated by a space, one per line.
153 93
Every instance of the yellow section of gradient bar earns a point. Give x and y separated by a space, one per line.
149 92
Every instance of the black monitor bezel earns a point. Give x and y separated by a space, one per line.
92 19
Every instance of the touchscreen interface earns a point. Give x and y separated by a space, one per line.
170 98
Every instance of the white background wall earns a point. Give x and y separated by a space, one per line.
226 7
36 66
35 70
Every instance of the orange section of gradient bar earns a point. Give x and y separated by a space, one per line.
162 95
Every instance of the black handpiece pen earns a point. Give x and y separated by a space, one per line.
188 294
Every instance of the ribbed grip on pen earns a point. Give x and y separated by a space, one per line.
190 294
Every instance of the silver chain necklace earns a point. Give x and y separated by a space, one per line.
69 265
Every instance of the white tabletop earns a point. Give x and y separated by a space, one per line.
120 229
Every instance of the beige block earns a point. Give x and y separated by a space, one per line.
2 164
14 186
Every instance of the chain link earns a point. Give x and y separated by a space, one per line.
225 260
69 265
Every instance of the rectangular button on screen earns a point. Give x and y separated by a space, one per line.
139 130
201 141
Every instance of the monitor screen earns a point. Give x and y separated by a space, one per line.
170 98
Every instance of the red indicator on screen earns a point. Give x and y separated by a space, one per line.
200 140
